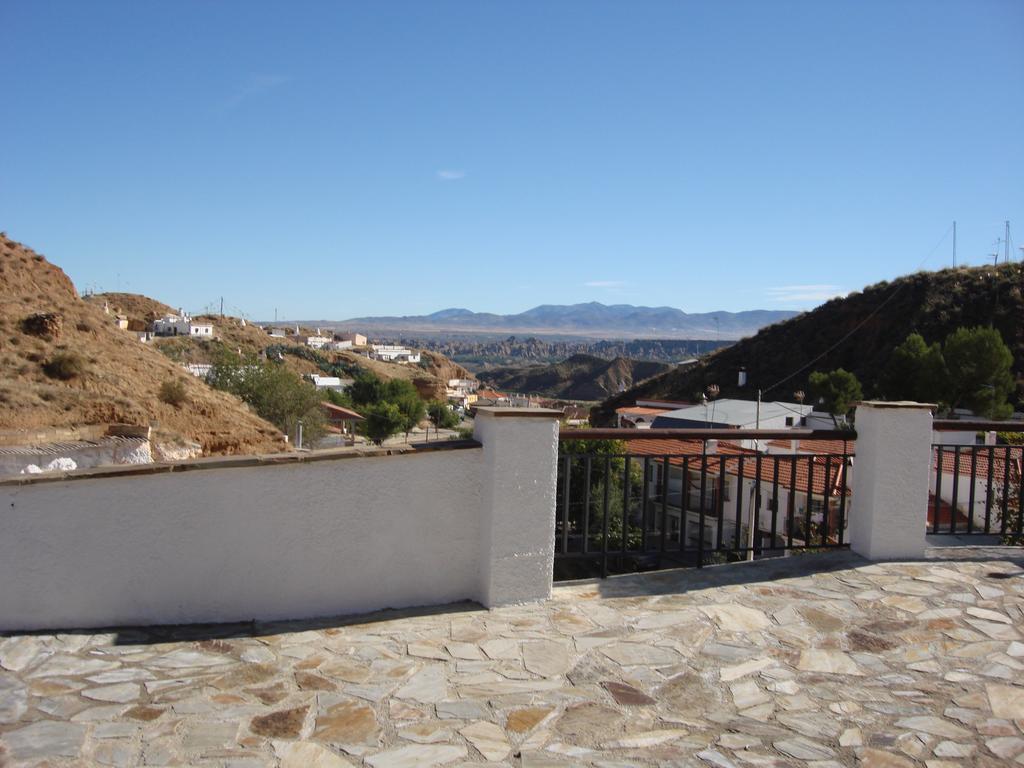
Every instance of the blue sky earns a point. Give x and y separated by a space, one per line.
334 159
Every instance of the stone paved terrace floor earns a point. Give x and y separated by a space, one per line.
821 660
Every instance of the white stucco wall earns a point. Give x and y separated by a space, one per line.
891 483
267 542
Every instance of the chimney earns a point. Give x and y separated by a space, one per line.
711 447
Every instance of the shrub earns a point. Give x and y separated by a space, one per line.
64 366
173 392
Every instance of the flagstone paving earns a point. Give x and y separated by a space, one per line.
818 660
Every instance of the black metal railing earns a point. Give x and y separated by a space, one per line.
977 489
627 501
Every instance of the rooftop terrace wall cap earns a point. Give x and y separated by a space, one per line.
237 462
897 404
519 413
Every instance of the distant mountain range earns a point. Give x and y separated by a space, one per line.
591 319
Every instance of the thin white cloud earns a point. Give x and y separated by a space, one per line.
604 284
254 86
450 174
804 294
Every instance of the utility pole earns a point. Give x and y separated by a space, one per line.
222 306
954 243
1006 242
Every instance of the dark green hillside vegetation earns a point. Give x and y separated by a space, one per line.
580 377
859 334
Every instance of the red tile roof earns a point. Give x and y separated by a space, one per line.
950 463
337 413
676 449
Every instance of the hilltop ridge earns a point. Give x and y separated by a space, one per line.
857 333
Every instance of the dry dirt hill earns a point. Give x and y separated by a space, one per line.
65 364
140 310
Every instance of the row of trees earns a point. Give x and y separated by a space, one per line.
971 369
283 398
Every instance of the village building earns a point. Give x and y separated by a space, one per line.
357 339
393 353
182 325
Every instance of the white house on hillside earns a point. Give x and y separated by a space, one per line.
393 353
317 341
330 382
182 325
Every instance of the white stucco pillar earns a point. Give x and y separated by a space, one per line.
890 485
517 524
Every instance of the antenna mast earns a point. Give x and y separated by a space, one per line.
954 243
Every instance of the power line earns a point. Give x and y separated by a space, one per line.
862 323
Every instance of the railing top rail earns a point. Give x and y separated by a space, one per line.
706 434
957 425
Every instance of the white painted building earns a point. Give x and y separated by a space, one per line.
182 325
317 341
393 353
330 382
339 344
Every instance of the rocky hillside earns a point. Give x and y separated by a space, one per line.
65 364
857 333
140 310
580 377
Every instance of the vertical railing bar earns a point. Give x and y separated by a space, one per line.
565 504
700 514
756 516
810 501
625 508
720 505
939 458
974 484
824 499
842 497
1004 517
665 467
643 503
586 504
988 488
791 505
684 503
956 488
1020 498
604 517
739 503
775 498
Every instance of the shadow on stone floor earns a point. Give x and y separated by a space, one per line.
211 633
682 580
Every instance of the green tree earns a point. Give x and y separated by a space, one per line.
980 377
382 420
366 389
441 415
837 391
916 371
274 392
